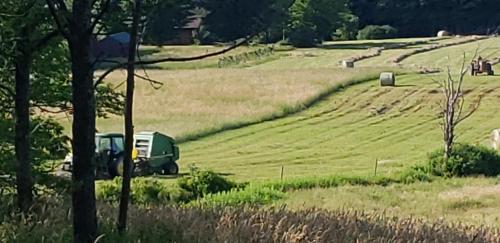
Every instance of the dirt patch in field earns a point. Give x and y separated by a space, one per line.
471 192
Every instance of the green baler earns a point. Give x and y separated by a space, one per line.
153 153
156 153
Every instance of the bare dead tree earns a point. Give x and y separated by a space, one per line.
452 105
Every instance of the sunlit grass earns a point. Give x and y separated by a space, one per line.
472 200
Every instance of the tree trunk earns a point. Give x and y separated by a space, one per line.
84 205
449 128
129 126
24 180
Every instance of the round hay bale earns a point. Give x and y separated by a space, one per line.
443 33
347 64
387 79
495 139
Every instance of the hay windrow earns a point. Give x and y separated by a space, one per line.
374 52
435 47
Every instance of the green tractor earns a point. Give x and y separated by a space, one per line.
153 153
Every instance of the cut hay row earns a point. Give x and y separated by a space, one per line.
435 47
495 61
378 51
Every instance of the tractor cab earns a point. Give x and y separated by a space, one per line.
481 66
109 148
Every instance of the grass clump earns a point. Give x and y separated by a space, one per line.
465 160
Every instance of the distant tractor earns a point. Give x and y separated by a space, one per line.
481 66
153 153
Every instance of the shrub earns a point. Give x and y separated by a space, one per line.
143 191
415 174
201 183
251 195
465 160
151 190
303 36
376 32
108 191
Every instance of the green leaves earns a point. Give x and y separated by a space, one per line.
312 21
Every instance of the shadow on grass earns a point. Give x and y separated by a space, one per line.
360 45
168 177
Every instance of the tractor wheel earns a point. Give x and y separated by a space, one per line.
491 73
170 168
116 167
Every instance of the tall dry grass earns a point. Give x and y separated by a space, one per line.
176 224
194 102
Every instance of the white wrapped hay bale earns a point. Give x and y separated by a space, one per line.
347 64
387 79
495 139
443 33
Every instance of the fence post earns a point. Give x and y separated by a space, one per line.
281 174
376 165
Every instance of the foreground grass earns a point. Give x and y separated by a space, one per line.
472 200
240 224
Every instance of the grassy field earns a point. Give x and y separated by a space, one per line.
195 102
345 133
453 55
472 200
385 59
156 52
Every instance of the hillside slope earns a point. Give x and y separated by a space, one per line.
347 132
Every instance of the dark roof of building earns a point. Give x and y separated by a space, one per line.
121 37
194 22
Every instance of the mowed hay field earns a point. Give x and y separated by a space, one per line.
198 98
347 132
194 102
354 124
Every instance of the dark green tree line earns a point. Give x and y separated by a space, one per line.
426 17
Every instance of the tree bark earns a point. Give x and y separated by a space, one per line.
24 180
84 107
129 126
